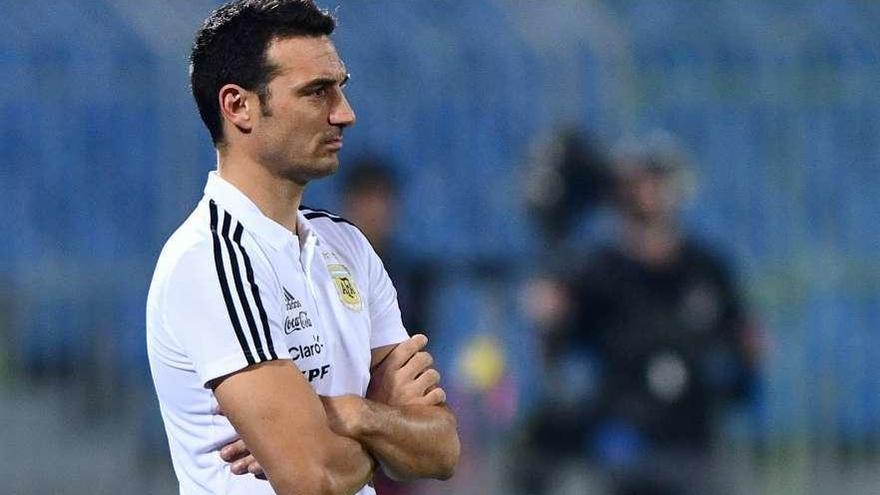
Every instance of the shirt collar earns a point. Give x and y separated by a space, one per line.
244 210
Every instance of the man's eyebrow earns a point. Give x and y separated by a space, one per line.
325 81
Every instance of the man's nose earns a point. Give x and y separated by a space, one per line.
342 114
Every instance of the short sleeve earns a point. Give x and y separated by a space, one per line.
220 306
385 320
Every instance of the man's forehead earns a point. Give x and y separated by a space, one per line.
306 56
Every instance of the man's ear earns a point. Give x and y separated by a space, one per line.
238 107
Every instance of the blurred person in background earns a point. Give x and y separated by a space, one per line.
645 339
370 199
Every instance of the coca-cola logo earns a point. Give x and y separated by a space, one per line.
297 322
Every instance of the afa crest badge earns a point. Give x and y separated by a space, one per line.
345 286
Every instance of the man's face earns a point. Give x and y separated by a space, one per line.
299 131
649 196
372 209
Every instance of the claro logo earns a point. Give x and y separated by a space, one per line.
305 351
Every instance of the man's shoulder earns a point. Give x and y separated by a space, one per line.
333 227
208 239
332 218
192 239
181 258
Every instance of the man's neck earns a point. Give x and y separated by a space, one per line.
276 197
654 243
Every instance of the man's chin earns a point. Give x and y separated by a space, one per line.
327 167
304 174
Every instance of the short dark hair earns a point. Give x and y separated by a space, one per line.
230 48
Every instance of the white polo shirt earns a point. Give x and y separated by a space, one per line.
233 288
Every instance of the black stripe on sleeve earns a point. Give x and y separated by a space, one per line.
255 290
320 214
224 286
239 286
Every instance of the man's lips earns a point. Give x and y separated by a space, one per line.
334 143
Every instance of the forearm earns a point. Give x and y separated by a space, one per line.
411 441
285 427
353 469
346 467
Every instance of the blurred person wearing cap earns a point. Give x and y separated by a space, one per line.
370 196
648 339
371 200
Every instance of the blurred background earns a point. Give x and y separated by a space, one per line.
643 236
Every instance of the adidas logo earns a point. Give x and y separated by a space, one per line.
290 301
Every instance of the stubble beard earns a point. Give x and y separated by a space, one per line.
281 161
302 173
292 169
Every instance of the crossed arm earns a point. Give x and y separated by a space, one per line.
406 424
402 423
284 424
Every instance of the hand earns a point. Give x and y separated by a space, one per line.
242 460
344 414
405 376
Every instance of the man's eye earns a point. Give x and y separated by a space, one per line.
319 92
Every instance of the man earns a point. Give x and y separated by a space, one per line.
370 199
655 322
273 330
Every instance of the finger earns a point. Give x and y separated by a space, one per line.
234 451
255 469
417 364
435 397
405 350
241 466
428 379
